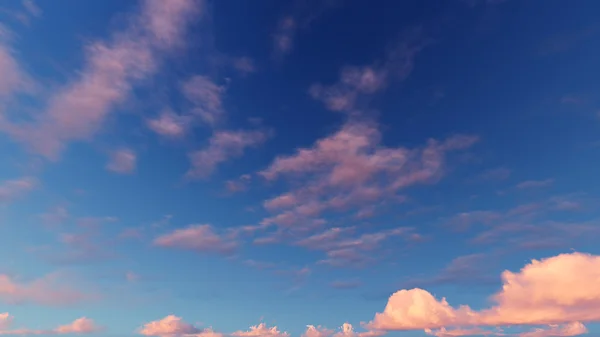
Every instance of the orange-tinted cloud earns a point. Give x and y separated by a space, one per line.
261 330
173 326
79 326
557 290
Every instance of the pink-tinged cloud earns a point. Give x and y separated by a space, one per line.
238 185
261 330
317 331
535 183
347 330
443 332
351 169
5 320
13 78
80 326
206 97
111 70
223 146
32 8
131 276
284 36
245 65
51 290
173 326
199 238
343 249
122 161
169 124
356 82
557 290
16 188
555 330
56 216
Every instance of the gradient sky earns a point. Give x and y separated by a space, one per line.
247 168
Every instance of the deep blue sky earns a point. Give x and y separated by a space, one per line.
295 163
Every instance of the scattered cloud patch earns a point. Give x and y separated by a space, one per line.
111 70
122 161
50 290
16 188
199 238
223 146
535 183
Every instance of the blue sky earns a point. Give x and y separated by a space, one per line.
197 168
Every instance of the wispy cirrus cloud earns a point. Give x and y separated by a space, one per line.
199 238
111 70
351 168
223 146
16 188
358 82
50 290
122 161
466 270
535 183
206 97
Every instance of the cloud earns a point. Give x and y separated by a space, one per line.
245 65
344 250
284 36
261 330
555 330
57 215
238 185
347 330
173 326
169 124
443 332
131 276
364 81
122 161
317 331
5 320
32 8
535 183
469 270
13 78
16 188
556 290
351 169
111 70
206 97
79 326
87 247
51 290
301 17
223 146
199 238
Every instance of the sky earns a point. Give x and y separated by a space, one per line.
310 168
